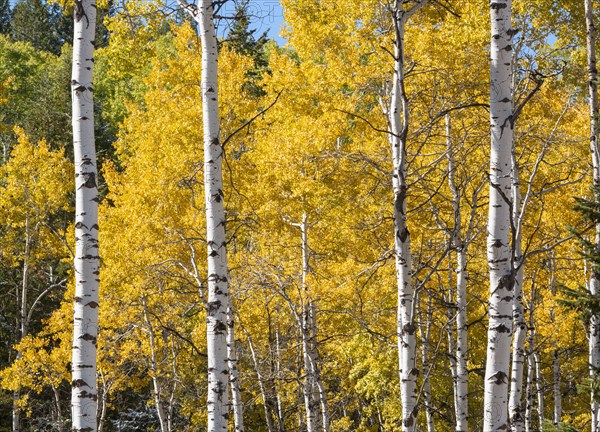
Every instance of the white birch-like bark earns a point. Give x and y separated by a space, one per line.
218 277
557 412
461 378
398 120
424 333
515 404
594 285
158 402
234 375
87 259
529 394
261 385
498 244
279 403
538 388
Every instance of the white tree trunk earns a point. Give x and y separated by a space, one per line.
87 259
538 389
461 379
498 245
529 394
425 333
557 394
261 385
594 342
234 375
218 277
398 119
158 402
515 405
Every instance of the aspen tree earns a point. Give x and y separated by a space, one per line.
398 119
498 243
87 259
594 283
218 278
460 244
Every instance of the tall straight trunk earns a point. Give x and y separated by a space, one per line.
87 259
280 423
424 333
306 331
158 402
538 389
515 405
461 380
261 385
218 277
22 322
498 245
529 393
557 412
234 375
594 286
398 120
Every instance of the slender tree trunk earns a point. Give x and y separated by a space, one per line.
529 393
261 385
22 322
280 422
515 405
594 341
557 394
538 389
461 381
162 417
398 120
498 245
87 259
218 277
59 416
425 332
236 394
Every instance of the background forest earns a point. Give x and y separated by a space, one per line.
310 215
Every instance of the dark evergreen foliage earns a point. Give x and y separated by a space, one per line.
242 40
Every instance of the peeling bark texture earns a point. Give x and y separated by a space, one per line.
87 259
398 120
594 285
498 246
234 376
460 372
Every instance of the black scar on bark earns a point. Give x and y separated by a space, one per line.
92 304
498 378
80 225
94 227
502 329
90 180
88 395
86 160
79 383
220 327
88 337
213 306
498 6
78 299
414 371
409 328
85 429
